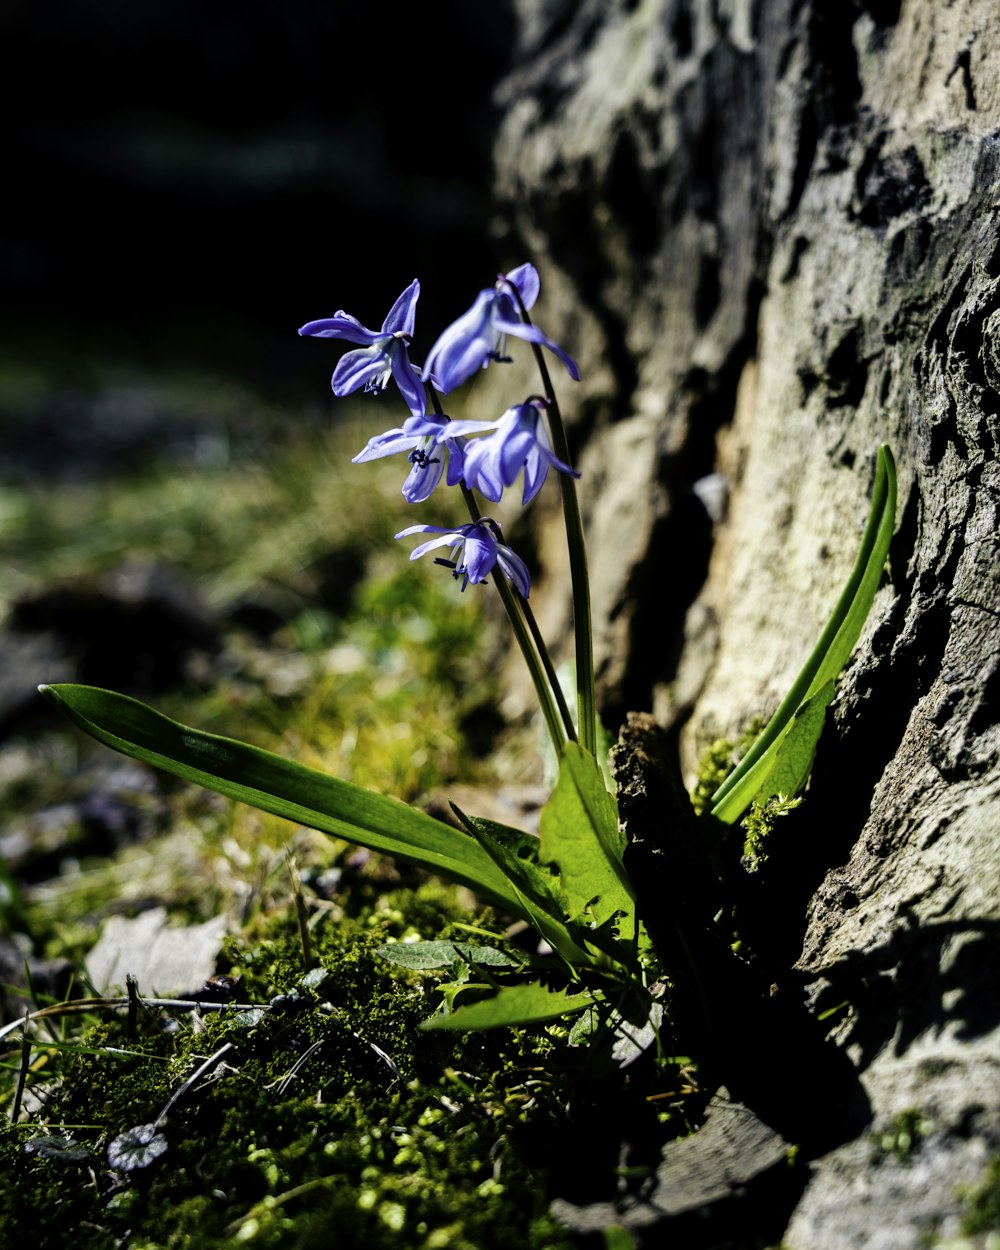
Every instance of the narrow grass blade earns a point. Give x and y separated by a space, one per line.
824 665
284 788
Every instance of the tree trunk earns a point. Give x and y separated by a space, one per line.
769 233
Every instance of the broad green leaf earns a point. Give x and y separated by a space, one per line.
284 788
443 954
540 893
580 835
824 665
515 1004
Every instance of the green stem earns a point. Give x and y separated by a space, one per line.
536 667
582 625
529 639
550 671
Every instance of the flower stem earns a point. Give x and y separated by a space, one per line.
582 625
537 666
529 638
550 671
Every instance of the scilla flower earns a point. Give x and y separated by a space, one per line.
480 335
423 438
520 441
475 550
382 354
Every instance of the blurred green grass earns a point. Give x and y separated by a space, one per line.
375 681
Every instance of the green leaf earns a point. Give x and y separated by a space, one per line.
444 954
137 1147
792 763
761 763
284 788
580 835
540 893
515 1004
63 1149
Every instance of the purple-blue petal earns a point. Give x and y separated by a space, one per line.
422 478
410 386
359 368
532 334
456 460
525 278
387 444
340 326
426 529
515 569
554 460
513 451
431 426
403 314
465 345
535 469
480 553
456 429
448 539
568 362
480 472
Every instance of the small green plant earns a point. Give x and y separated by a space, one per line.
569 883
902 1137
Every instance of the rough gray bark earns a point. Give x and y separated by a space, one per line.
769 231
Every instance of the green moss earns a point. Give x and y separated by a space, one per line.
758 824
333 1121
717 761
901 1138
981 1202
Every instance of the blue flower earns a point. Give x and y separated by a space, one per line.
475 550
480 335
423 438
520 441
382 354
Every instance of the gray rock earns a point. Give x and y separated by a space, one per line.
769 233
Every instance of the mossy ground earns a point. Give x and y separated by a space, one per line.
333 1120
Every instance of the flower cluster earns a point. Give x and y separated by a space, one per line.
486 456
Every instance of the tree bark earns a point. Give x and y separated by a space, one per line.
768 229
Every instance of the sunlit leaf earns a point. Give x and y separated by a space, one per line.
444 954
792 764
809 695
540 893
248 1019
631 1040
579 833
515 1004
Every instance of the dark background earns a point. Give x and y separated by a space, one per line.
188 182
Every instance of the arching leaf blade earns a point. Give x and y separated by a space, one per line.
831 652
267 781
